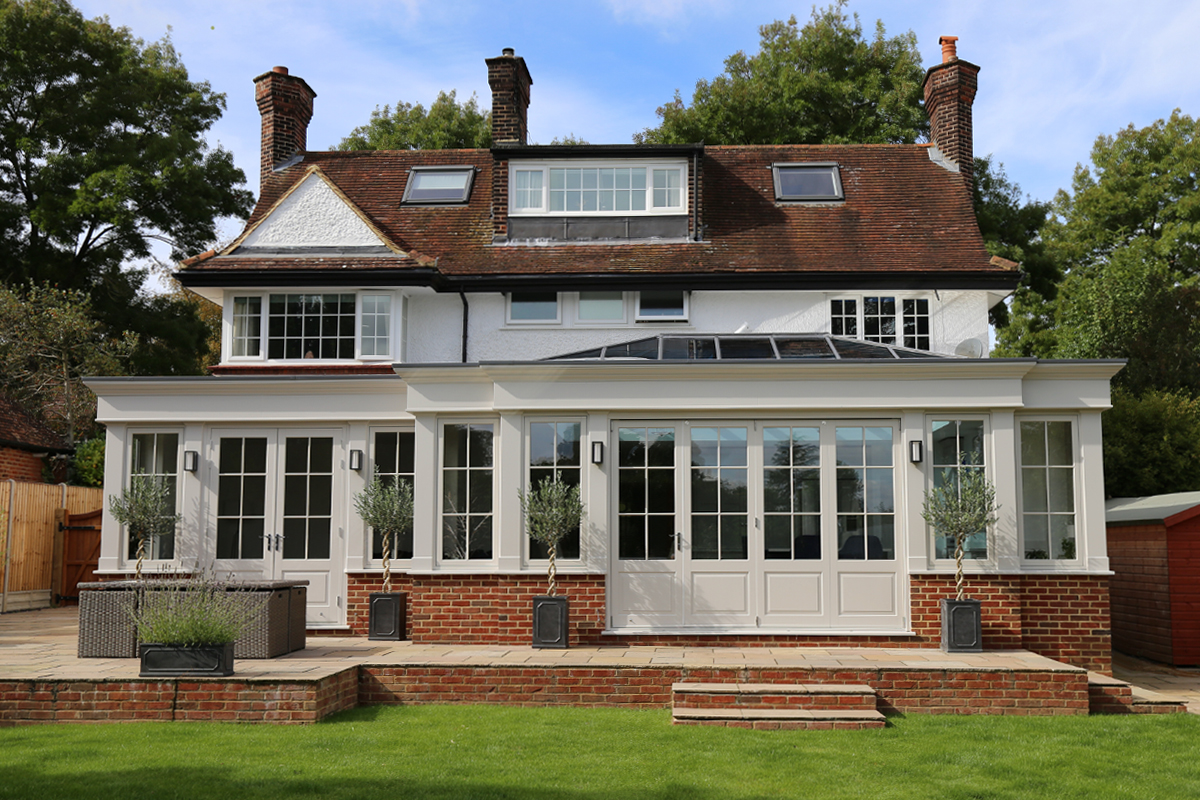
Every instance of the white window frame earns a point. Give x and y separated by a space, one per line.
508 310
860 315
127 474
264 296
577 299
369 539
930 478
413 172
1077 497
458 563
814 166
680 165
683 317
526 483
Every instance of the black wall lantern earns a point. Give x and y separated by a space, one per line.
597 452
916 451
191 460
356 460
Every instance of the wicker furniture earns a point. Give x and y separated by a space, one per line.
106 630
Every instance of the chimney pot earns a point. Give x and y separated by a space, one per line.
508 51
279 70
949 49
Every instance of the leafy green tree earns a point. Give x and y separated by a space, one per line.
821 83
386 506
49 342
1011 227
1151 444
447 124
553 510
147 508
964 504
102 153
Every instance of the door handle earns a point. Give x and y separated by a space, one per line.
679 542
278 542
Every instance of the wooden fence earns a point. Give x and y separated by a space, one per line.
29 517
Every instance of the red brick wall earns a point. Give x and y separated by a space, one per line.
1062 617
19 465
1183 553
1140 591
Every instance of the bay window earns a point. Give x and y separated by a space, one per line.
885 319
336 326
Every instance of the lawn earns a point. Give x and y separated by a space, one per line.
585 754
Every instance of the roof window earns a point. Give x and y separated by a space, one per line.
438 185
807 182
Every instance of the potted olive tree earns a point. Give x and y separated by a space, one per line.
188 627
964 504
147 511
552 511
386 506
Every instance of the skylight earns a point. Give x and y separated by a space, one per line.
439 185
753 347
807 182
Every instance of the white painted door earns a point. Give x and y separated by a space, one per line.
275 514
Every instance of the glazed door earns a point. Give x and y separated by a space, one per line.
275 513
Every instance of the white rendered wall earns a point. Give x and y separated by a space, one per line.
312 216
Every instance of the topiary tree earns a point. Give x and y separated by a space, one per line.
964 504
386 506
552 511
147 509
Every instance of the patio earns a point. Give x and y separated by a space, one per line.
42 680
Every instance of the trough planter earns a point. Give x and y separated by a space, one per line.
387 616
551 622
171 661
962 626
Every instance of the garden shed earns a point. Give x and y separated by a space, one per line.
1154 553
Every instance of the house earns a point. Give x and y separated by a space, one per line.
1154 546
754 361
26 444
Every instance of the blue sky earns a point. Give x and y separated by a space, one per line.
1054 75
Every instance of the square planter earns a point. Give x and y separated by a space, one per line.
551 622
387 616
170 661
962 626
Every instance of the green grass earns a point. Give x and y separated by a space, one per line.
582 754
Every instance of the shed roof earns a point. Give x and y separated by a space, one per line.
1168 508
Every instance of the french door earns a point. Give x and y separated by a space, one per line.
275 514
738 525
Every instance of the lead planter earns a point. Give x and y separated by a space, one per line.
551 622
174 661
962 626
387 616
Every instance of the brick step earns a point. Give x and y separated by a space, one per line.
1108 695
843 696
781 718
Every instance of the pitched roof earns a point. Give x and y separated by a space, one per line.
19 430
905 219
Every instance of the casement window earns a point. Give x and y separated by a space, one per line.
555 454
600 307
662 306
155 457
956 447
719 473
327 326
467 487
792 493
616 188
866 504
438 185
1047 453
393 461
533 307
882 319
807 182
241 497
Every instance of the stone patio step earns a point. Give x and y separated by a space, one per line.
1109 695
781 718
843 696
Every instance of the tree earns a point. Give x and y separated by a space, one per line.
820 83
1151 444
147 508
552 511
387 507
49 342
448 124
1011 228
964 504
102 153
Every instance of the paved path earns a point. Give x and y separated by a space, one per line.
1152 676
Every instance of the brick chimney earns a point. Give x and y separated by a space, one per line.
510 82
286 105
949 93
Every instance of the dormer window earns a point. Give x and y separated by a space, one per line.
598 188
441 185
799 182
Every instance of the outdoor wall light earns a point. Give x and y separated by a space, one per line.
356 460
191 460
915 451
597 452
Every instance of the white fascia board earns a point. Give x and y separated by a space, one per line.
259 399
1070 385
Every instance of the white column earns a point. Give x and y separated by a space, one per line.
509 464
426 480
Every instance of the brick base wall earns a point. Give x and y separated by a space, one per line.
1062 617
